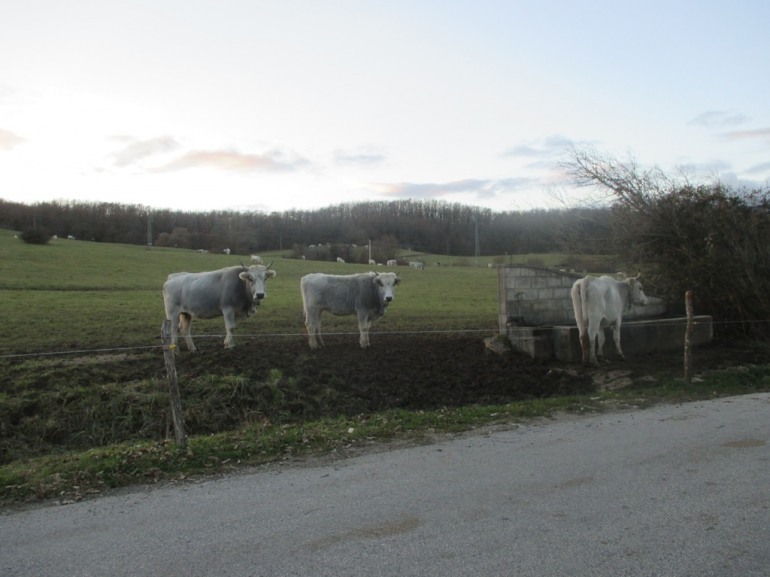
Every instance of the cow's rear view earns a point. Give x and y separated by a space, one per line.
601 302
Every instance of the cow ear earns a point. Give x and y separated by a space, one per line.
398 280
246 276
270 274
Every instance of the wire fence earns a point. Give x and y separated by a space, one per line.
510 329
240 336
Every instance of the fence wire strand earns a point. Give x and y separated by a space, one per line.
206 336
498 330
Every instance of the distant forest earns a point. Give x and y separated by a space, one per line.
417 226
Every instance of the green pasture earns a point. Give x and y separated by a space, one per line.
82 295
70 427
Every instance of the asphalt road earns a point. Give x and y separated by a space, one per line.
669 491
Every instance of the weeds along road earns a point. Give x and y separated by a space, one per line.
672 490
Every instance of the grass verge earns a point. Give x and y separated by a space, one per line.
73 476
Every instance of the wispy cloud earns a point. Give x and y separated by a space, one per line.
762 168
475 187
718 118
551 146
233 161
138 150
9 140
762 133
366 155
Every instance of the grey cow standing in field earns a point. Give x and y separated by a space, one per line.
366 295
232 293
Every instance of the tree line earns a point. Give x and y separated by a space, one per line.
419 226
705 237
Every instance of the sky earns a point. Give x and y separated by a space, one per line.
199 105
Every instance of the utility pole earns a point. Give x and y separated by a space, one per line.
149 229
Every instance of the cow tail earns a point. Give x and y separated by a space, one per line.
579 305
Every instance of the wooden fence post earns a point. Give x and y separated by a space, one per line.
687 338
176 401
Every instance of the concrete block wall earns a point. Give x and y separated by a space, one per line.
535 296
535 313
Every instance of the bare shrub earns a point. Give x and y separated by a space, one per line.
705 237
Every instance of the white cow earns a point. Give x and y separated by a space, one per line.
392 263
416 264
340 260
255 258
599 303
231 293
366 295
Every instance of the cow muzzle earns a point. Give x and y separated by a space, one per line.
258 298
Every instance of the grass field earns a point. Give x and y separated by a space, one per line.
82 295
83 390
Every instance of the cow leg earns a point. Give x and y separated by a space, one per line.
616 338
594 332
601 337
364 324
585 346
229 327
313 326
174 332
185 321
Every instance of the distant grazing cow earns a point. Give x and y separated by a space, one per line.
256 259
392 263
416 264
226 251
601 302
366 295
371 262
340 260
231 292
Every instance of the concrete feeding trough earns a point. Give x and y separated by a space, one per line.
537 317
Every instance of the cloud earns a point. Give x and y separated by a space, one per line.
476 187
550 146
141 149
366 155
233 161
762 168
763 133
718 118
9 140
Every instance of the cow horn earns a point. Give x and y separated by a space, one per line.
271 263
243 266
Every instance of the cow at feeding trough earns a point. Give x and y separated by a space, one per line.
367 295
599 302
233 292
